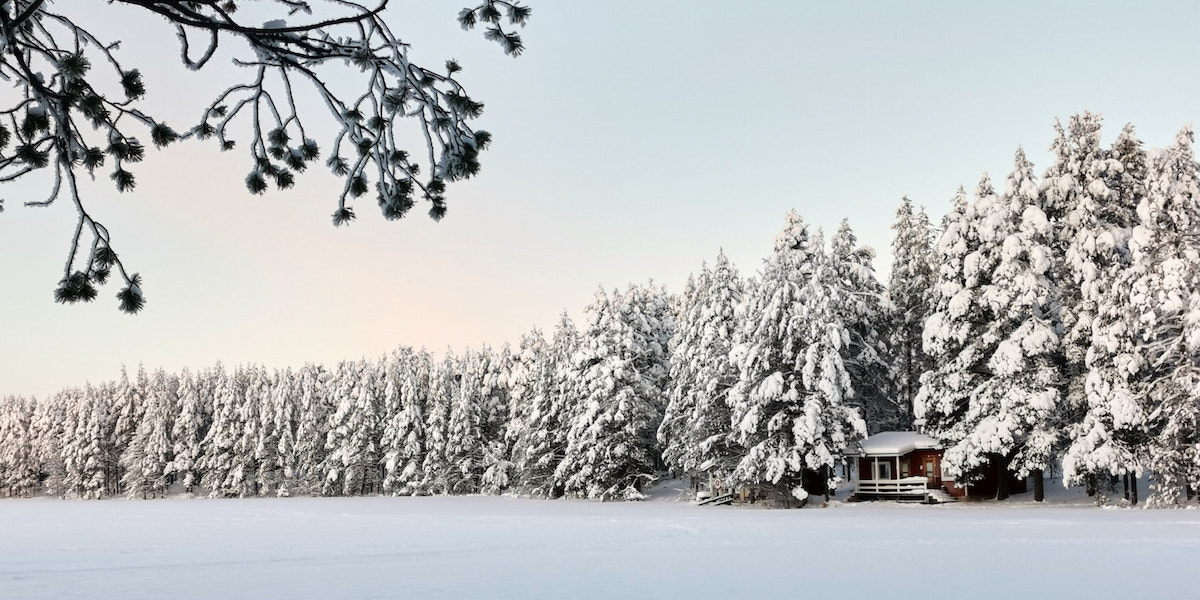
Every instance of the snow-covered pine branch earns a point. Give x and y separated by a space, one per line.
80 108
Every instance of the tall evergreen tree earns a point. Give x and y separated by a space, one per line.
253 393
1109 438
443 387
1165 308
187 433
1012 419
403 440
352 465
277 443
405 435
530 381
910 293
611 450
48 427
682 349
18 465
496 459
147 459
859 306
789 407
695 433
128 404
953 333
466 423
85 446
220 453
315 407
1076 194
548 401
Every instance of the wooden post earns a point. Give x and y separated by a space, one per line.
1039 488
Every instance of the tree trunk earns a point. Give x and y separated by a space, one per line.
1089 482
827 472
1125 481
1133 492
1002 491
907 417
1039 485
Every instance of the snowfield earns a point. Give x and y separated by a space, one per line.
488 547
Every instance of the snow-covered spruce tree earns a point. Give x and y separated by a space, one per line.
623 366
695 433
254 392
9 431
465 425
403 441
530 378
187 433
443 388
48 428
264 442
1013 415
147 460
276 448
547 399
73 447
476 451
128 404
78 107
315 407
87 435
1109 438
682 349
910 294
496 460
1165 309
1078 202
390 407
788 405
952 332
352 465
18 464
860 307
220 455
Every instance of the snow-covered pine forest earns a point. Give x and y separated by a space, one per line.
1048 321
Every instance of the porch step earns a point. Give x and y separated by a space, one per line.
940 497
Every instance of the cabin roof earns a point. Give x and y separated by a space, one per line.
897 442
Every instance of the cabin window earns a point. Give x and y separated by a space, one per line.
883 470
903 470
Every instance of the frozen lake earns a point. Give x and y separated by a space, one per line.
484 547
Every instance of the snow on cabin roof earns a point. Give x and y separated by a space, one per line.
897 442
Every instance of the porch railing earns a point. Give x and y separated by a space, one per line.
909 486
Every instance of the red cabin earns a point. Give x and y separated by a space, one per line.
906 465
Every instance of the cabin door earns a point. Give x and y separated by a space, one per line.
931 472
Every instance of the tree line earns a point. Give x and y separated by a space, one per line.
1054 322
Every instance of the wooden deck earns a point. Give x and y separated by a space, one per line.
909 488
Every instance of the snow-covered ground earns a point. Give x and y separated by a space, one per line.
486 547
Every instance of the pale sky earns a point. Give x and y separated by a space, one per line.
633 140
